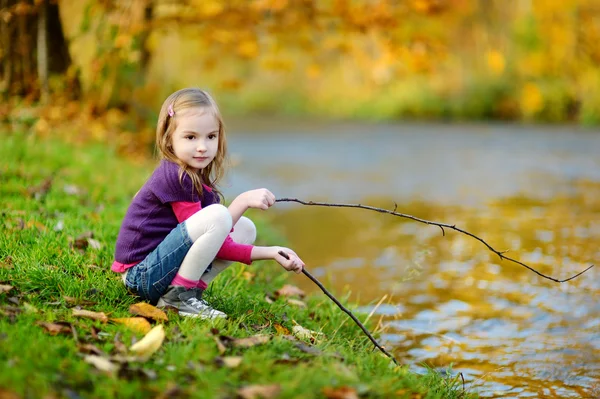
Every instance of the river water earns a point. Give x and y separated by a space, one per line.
443 301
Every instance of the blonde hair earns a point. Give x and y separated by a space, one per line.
167 123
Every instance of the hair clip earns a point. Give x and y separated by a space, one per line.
170 110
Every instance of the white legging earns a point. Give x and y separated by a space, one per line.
208 228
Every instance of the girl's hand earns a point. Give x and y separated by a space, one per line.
290 262
260 198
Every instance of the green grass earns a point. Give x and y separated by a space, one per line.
91 188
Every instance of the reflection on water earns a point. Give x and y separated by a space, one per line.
449 300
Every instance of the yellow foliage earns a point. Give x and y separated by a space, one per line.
272 5
208 8
496 62
531 100
248 48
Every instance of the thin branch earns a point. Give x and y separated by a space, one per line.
440 225
348 312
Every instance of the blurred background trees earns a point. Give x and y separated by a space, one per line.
532 60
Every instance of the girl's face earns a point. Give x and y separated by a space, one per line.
195 141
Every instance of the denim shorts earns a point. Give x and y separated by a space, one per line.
150 278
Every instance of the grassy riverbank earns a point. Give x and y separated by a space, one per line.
61 209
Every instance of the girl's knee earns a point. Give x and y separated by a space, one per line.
219 215
244 231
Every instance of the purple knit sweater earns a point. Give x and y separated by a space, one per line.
150 217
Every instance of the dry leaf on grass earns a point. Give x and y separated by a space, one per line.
259 391
290 290
306 334
250 341
340 393
90 349
88 314
86 240
55 328
220 347
296 302
281 329
151 342
5 288
229 361
146 310
137 324
101 363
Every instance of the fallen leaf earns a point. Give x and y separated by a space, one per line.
94 244
290 290
137 324
151 342
55 328
5 288
296 302
281 329
340 393
101 363
90 349
86 240
71 189
88 314
229 361
144 309
40 190
259 391
250 341
220 347
304 333
268 299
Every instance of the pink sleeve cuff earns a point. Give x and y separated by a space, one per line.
231 250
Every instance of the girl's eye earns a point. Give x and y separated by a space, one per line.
190 137
212 136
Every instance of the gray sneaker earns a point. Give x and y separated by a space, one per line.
189 303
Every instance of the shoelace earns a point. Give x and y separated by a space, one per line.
201 304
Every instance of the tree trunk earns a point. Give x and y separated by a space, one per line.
25 30
42 51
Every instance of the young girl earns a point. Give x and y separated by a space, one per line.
176 237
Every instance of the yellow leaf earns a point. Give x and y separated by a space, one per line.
88 314
101 363
151 342
146 310
281 329
230 361
137 324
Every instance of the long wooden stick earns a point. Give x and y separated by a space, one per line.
440 225
348 312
